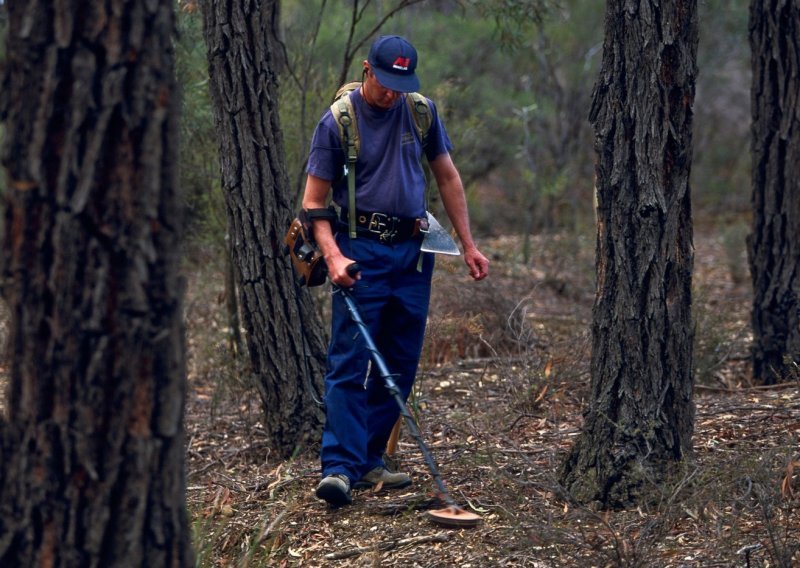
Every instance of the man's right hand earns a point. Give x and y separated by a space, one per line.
339 271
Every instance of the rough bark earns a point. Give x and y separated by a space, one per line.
640 417
774 245
283 332
92 472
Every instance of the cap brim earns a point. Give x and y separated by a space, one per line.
400 83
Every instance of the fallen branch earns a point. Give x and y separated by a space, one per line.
265 534
747 408
389 545
778 386
417 502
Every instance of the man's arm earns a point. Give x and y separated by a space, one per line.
455 204
316 197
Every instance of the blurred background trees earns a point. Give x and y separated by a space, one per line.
513 85
513 80
774 245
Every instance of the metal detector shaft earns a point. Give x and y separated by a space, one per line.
395 391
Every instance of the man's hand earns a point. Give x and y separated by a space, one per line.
338 271
477 263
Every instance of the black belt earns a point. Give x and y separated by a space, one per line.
387 229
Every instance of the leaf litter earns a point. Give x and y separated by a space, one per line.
499 399
499 408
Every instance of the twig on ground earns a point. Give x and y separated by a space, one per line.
417 502
388 545
748 408
265 534
778 386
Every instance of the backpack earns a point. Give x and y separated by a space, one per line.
345 116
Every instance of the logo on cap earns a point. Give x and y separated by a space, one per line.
401 63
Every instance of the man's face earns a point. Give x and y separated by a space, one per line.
376 94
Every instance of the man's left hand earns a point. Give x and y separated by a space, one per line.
477 263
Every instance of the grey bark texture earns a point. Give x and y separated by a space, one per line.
284 336
774 244
639 420
92 471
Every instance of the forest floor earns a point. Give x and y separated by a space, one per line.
499 397
499 401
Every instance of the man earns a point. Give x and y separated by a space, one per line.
393 286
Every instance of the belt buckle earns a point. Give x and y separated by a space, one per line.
384 226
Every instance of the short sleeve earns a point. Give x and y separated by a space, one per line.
326 157
438 141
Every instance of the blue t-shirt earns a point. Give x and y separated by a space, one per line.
389 175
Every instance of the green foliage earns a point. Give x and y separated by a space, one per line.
3 34
514 20
3 29
721 159
549 175
548 58
517 114
199 163
531 137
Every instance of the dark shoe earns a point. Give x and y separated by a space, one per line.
387 479
335 489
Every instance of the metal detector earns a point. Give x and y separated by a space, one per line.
452 515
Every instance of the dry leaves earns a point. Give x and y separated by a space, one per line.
498 425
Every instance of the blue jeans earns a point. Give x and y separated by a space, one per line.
393 297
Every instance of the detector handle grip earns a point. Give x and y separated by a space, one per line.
353 270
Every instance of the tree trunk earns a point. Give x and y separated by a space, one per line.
284 335
232 301
774 245
92 470
640 416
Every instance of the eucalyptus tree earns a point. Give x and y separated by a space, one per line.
93 447
639 420
284 335
774 245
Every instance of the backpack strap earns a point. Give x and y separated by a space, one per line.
345 115
421 113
